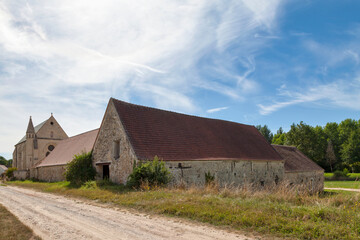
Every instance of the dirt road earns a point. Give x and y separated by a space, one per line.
344 189
57 217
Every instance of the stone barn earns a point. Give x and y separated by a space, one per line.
52 168
190 146
300 170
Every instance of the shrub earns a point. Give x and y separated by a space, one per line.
10 172
80 169
153 173
355 167
209 178
344 174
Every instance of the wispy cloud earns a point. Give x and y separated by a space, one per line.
216 109
341 94
69 57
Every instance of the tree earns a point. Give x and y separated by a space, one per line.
350 151
80 169
330 155
266 132
280 137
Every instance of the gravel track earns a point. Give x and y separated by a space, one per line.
57 217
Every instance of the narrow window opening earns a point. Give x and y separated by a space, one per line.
116 149
51 134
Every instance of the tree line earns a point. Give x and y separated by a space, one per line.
5 162
333 147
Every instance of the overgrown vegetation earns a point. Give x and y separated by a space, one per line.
12 228
333 147
10 173
80 169
209 178
281 213
151 173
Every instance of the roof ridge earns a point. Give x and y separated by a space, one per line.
82 133
184 114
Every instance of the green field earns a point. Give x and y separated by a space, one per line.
342 184
276 213
351 175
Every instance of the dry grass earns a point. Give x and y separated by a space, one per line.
12 229
281 212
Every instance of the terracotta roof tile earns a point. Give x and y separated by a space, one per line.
175 136
295 160
66 149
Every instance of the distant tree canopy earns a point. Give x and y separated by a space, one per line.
5 162
266 132
333 147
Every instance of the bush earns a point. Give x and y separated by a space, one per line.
10 173
80 169
355 167
209 179
344 174
153 173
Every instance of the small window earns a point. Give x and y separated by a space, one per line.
51 147
52 123
116 149
51 134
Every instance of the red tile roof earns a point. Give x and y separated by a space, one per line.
175 136
66 149
295 160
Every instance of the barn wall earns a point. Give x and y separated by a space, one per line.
51 173
226 172
110 131
312 180
21 174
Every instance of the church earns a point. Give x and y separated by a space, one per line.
190 146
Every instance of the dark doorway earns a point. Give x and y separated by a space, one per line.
106 172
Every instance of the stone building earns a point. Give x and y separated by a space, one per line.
300 170
190 147
52 167
3 169
37 143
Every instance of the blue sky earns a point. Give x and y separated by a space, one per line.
256 62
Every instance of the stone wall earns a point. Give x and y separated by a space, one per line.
111 131
312 180
227 172
21 174
51 173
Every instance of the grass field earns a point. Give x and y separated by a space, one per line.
282 213
342 184
351 175
12 229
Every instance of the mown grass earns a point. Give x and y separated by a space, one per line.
342 184
352 176
12 229
281 213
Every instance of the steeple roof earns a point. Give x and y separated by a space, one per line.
30 128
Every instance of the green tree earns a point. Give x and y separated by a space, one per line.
280 137
80 169
350 151
330 155
266 132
